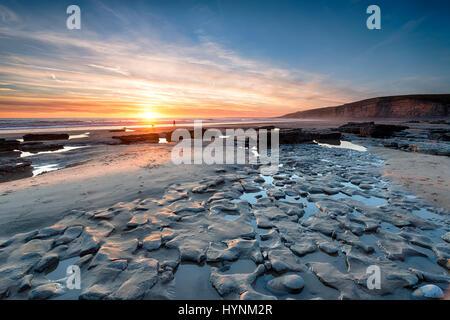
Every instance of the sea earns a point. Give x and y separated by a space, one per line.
48 125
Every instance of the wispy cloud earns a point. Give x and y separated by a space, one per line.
90 74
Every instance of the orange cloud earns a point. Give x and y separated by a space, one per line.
88 77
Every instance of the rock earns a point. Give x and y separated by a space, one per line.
45 136
105 215
332 277
283 260
48 262
234 285
380 130
327 136
39 147
168 234
349 238
138 138
25 283
46 291
96 292
396 249
69 235
50 232
440 134
185 207
446 237
323 224
14 166
430 277
429 291
84 260
152 242
259 179
9 145
291 283
114 250
293 136
370 129
89 244
144 276
302 249
443 253
353 127
137 220
253 295
328 248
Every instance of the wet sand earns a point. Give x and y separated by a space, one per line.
425 175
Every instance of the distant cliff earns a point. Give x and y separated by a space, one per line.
408 107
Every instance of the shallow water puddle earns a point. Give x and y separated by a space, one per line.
192 283
343 145
231 217
60 274
313 288
310 208
251 197
37 170
240 266
30 154
370 201
79 136
351 185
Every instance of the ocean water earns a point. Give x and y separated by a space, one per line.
43 125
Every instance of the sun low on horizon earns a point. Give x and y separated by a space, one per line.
150 116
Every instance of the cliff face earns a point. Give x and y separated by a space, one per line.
408 107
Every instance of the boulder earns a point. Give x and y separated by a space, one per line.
291 283
430 291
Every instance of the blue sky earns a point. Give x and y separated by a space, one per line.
175 58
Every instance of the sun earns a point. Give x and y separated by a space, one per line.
149 115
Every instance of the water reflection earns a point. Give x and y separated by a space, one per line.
342 144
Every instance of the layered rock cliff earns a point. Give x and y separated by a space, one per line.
425 106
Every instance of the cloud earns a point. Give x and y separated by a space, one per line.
113 75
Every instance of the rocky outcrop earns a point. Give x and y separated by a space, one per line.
440 134
295 136
138 138
409 107
39 146
45 137
370 129
13 165
380 130
9 145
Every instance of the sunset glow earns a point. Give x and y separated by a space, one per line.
198 60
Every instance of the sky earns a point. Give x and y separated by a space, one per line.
216 58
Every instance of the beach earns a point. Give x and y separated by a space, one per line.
139 226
